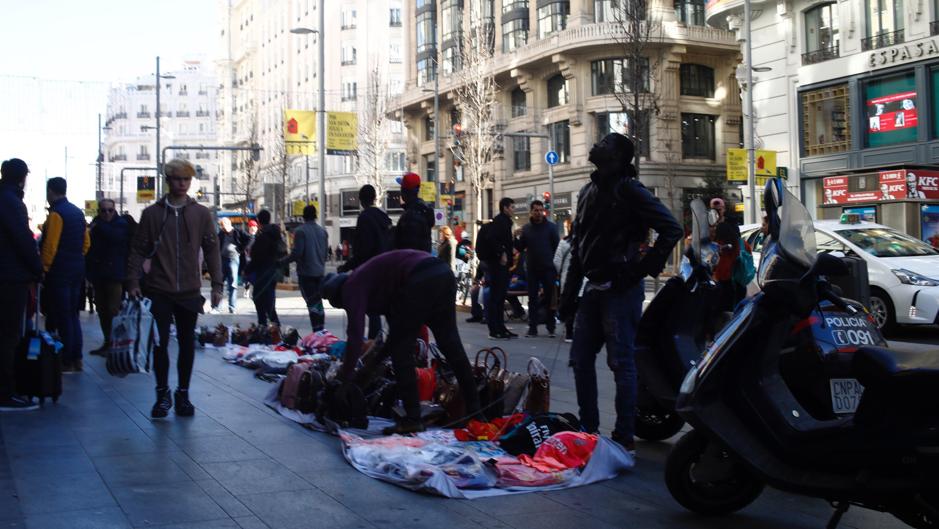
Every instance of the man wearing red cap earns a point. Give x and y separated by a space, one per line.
414 225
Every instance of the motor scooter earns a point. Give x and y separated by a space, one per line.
877 443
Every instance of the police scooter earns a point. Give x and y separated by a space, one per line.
876 446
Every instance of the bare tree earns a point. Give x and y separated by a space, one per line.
638 36
475 98
279 169
249 180
374 135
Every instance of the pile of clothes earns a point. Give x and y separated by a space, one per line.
270 350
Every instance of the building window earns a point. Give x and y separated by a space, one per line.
690 12
348 18
521 154
514 34
619 122
395 17
697 80
451 20
452 59
558 93
553 17
514 5
697 136
429 168
519 103
350 203
394 53
393 201
614 11
560 133
825 125
348 54
426 71
349 90
426 31
884 23
892 113
428 128
821 34
610 76
395 162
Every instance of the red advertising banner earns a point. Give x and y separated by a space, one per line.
922 183
892 112
891 186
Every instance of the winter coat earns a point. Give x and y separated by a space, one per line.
19 259
65 242
107 257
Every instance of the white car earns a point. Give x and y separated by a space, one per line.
903 272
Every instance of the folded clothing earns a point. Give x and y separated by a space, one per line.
527 436
562 451
489 431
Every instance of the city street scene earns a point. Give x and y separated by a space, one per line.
469 263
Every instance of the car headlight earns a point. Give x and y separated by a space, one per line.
912 278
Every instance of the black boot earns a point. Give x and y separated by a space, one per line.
184 408
163 403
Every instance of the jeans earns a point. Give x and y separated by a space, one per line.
230 278
607 317
108 299
427 298
62 304
311 288
543 279
165 311
265 296
498 280
12 313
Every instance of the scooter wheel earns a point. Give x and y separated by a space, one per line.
706 479
657 424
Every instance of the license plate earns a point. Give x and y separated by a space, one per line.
845 394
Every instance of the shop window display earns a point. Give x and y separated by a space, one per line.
825 125
891 110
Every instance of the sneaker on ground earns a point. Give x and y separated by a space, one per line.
509 334
532 333
552 334
163 403
215 311
628 444
183 407
498 336
17 403
568 339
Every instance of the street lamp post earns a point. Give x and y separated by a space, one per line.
321 111
157 153
750 136
99 192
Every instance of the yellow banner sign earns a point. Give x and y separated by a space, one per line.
296 208
342 132
428 192
300 132
764 164
146 189
91 208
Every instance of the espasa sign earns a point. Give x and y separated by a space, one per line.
903 53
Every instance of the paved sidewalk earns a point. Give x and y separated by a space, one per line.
96 460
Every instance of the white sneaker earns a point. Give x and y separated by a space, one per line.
17 403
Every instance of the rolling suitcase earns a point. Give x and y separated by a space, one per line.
38 363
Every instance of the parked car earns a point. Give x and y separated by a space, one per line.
903 272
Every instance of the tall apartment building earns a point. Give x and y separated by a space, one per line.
849 97
557 65
265 69
187 105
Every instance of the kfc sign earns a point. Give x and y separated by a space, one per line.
891 185
922 184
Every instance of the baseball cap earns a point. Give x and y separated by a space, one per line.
252 223
409 181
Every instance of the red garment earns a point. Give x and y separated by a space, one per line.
512 473
426 382
562 451
488 431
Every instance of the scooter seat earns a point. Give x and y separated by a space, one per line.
901 393
876 367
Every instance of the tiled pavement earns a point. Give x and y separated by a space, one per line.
95 460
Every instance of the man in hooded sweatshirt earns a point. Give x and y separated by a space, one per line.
414 225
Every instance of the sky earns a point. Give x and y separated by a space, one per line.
59 59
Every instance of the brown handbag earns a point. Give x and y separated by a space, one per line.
500 390
539 388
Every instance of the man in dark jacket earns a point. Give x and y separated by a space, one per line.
310 242
414 225
65 242
614 215
19 267
107 266
373 236
231 243
539 240
499 276
265 268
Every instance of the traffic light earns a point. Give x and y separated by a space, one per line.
546 198
200 194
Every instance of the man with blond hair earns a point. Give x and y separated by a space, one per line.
166 248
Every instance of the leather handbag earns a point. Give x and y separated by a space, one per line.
500 390
539 388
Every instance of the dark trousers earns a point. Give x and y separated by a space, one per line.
374 325
165 311
476 308
108 299
63 301
610 318
12 313
311 288
541 279
427 299
498 280
265 296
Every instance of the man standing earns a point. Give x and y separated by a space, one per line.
539 240
373 236
310 243
230 244
19 266
65 242
614 215
246 255
411 289
414 225
500 239
107 266
166 248
265 270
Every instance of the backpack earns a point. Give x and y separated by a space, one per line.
301 389
744 271
485 247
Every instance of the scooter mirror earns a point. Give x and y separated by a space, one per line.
829 265
772 201
699 226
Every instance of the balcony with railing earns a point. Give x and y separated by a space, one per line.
118 158
143 156
882 40
820 55
202 113
182 113
143 115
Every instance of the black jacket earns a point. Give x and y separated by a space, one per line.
613 220
373 236
502 238
413 230
268 248
539 241
231 244
19 257
107 258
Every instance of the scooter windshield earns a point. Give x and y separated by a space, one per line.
795 251
699 226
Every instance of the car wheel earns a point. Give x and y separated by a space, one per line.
882 310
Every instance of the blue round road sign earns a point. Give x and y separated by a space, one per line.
551 157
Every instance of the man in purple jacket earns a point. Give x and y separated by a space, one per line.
411 289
